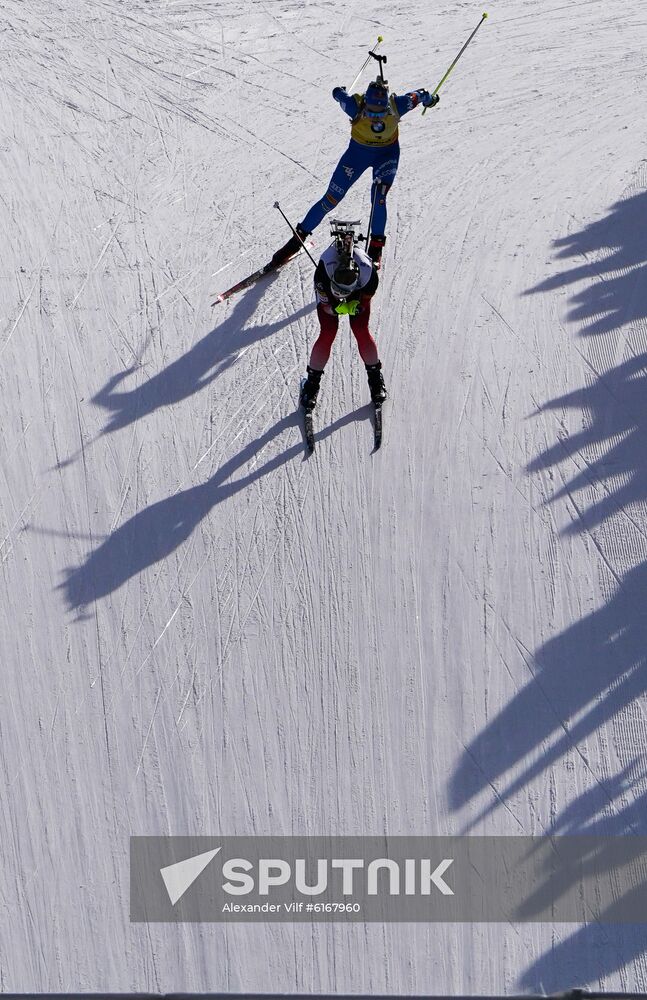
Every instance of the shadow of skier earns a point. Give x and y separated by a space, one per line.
195 370
157 531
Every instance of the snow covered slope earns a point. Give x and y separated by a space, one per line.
201 631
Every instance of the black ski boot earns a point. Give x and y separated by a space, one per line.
310 388
292 246
375 248
376 383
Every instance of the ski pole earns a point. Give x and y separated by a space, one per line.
276 205
368 59
436 89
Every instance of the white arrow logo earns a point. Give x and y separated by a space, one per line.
181 876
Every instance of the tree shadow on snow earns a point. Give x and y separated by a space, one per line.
605 946
580 680
157 531
611 255
611 448
196 369
596 669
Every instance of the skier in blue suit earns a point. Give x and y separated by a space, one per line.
374 142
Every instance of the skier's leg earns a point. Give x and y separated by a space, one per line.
379 191
310 389
328 323
318 357
292 246
368 351
376 382
351 166
384 172
365 343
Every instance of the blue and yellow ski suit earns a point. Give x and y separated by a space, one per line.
374 143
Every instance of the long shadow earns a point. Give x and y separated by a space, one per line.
603 654
196 369
154 533
580 680
618 247
589 674
611 449
608 945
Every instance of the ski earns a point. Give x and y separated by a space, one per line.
308 423
377 425
251 279
245 283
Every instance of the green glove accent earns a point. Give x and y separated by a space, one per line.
348 308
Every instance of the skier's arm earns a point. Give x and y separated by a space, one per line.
348 102
370 287
322 281
407 102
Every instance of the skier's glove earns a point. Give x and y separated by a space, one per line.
348 308
339 93
429 100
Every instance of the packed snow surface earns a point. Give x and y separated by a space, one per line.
205 632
